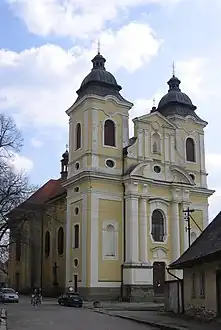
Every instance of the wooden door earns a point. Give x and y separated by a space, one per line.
75 283
218 292
158 277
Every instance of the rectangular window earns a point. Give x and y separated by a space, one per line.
202 284
193 285
76 236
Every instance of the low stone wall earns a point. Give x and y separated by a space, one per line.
3 320
200 312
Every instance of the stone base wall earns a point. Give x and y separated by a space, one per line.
130 293
200 312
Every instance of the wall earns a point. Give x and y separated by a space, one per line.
202 305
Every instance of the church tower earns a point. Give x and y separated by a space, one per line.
126 197
98 132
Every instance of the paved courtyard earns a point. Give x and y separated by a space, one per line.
50 315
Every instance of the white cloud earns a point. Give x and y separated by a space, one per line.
21 163
36 143
41 82
75 18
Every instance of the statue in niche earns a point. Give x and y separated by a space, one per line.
156 143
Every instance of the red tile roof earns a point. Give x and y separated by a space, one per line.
49 190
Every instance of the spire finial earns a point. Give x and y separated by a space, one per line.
66 146
173 69
154 102
98 46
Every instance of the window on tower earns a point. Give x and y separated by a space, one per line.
190 150
109 133
158 228
18 249
78 136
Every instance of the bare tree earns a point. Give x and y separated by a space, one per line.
14 186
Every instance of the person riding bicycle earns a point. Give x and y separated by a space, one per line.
37 295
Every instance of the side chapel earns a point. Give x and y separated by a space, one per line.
126 196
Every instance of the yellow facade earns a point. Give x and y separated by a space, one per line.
121 183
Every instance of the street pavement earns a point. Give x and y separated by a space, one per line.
50 315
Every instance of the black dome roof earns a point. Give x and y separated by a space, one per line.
99 81
175 97
99 74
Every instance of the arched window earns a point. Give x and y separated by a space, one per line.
109 133
158 231
190 150
60 240
110 241
18 249
76 236
78 136
156 143
47 243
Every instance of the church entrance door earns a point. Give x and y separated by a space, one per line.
159 270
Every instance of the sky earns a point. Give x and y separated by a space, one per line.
45 51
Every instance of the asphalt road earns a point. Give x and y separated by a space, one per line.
50 315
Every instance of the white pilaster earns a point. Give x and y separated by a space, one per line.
202 161
84 240
94 239
68 246
95 137
143 230
175 226
140 143
167 147
172 148
146 143
132 238
125 131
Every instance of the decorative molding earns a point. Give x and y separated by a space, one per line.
94 240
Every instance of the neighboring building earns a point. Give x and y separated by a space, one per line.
125 197
37 255
201 267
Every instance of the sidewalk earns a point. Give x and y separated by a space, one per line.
159 319
125 306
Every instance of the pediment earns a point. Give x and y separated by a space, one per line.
169 173
156 117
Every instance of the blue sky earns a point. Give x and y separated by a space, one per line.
45 52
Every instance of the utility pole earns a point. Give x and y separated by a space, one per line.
187 213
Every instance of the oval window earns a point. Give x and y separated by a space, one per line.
110 163
157 169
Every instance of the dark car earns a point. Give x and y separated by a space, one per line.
71 299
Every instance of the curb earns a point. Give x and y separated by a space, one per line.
153 324
3 320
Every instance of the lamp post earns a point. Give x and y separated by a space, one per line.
188 218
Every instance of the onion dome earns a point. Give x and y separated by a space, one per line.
99 81
175 101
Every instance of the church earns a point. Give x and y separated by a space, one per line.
126 196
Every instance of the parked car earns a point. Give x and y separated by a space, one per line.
72 299
8 295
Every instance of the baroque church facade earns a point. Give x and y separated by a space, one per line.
126 196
